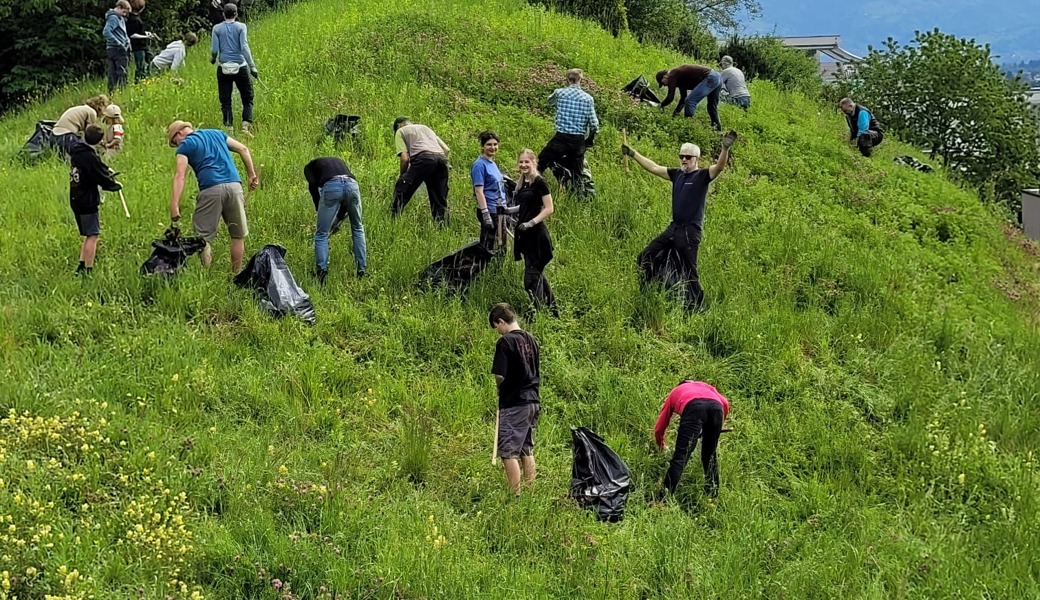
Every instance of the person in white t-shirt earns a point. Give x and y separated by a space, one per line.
173 56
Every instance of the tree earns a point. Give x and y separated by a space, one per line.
947 95
723 15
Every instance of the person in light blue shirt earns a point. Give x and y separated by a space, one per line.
487 187
235 68
117 45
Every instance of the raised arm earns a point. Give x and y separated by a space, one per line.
720 165
647 164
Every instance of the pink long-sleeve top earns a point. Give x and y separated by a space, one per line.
683 394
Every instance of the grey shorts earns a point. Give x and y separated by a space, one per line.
223 201
89 225
516 430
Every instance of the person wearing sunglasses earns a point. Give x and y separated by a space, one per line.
689 197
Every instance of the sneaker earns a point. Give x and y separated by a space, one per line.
229 130
321 275
245 129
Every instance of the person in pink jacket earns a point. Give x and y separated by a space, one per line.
703 410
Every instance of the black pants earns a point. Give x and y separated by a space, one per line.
564 155
140 65
686 241
488 234
428 168
868 141
538 287
225 84
118 67
700 419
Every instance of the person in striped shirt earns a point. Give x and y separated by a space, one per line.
576 127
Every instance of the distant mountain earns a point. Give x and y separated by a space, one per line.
1011 27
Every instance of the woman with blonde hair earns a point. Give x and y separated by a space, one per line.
74 121
531 240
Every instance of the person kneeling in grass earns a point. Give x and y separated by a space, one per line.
516 371
172 57
87 176
703 411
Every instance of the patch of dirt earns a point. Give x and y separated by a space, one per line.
1022 285
1015 235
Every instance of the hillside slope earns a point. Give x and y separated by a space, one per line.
875 328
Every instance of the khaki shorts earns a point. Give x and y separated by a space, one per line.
222 201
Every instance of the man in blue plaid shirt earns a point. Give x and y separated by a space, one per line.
576 127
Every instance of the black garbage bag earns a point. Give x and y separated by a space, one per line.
582 186
269 276
666 268
40 142
457 270
913 163
600 480
639 89
340 126
170 252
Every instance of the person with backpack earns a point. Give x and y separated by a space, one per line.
695 83
516 368
235 68
531 240
87 177
702 412
864 129
336 197
689 199
117 45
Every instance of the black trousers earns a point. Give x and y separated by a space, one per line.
868 141
428 168
700 419
118 67
685 239
225 85
538 287
487 234
564 155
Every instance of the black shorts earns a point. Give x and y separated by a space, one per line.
516 430
89 225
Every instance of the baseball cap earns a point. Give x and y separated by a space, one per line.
112 111
173 129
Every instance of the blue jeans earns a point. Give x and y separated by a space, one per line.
339 190
709 88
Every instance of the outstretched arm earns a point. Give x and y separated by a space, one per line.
647 164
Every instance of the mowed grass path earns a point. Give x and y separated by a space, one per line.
875 328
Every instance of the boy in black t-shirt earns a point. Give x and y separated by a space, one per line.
516 371
87 176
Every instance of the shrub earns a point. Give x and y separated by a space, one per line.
767 58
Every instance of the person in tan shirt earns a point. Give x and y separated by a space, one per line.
424 159
74 121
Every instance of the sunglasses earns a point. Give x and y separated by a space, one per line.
687 157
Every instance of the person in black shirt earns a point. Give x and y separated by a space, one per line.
532 236
138 39
336 197
86 174
689 196
516 371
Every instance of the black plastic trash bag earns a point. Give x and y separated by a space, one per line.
340 126
913 163
170 253
269 276
458 269
40 142
666 268
583 186
600 480
639 89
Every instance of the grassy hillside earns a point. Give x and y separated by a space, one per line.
875 328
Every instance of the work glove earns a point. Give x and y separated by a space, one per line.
525 225
485 218
254 73
212 59
729 139
591 140
626 150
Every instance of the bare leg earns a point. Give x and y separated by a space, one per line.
88 250
238 249
530 470
512 468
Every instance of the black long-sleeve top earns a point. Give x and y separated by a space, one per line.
320 170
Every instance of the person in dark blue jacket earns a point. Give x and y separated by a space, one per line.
864 128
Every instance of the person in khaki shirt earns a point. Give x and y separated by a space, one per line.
424 159
74 121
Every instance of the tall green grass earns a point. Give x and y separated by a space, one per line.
875 328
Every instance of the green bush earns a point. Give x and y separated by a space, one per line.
767 58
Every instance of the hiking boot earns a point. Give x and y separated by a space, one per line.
245 129
322 274
83 270
361 274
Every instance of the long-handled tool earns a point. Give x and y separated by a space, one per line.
126 210
624 140
494 447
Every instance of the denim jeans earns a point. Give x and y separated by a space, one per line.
709 88
337 191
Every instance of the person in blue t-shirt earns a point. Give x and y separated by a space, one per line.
689 197
487 187
208 152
